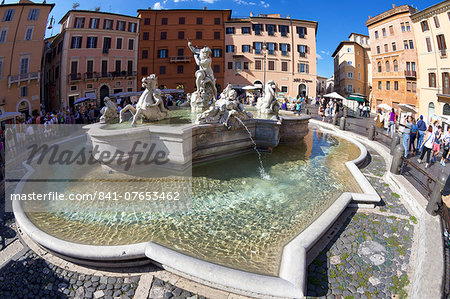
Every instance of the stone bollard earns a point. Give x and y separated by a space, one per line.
372 132
335 119
395 141
436 196
397 159
342 124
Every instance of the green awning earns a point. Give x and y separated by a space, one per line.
356 98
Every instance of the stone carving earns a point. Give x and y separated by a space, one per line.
150 105
268 104
225 110
206 92
109 111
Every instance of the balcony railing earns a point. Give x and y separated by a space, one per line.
24 77
74 77
105 50
302 54
175 59
411 74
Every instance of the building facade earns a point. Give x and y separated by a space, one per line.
94 56
269 47
432 31
321 86
393 57
352 68
163 39
22 32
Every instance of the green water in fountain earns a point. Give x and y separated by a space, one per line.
235 218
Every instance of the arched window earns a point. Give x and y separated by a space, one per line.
446 109
379 66
430 110
395 66
388 67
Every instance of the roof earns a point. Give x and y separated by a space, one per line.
436 8
28 3
249 19
390 13
94 12
359 34
341 44
184 9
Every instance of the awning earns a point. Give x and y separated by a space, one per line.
407 108
81 100
125 94
356 98
334 95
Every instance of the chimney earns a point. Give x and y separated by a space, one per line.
370 17
393 5
204 7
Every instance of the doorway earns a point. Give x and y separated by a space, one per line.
104 92
302 90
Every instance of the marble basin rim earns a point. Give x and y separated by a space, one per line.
291 280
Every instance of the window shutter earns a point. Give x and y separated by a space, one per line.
305 30
275 47
287 29
250 48
279 27
262 27
298 29
289 47
298 48
307 68
274 28
234 49
307 49
267 25
254 47
281 46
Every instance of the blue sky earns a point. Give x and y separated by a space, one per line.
337 19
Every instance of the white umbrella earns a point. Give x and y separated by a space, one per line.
334 95
407 108
249 87
384 106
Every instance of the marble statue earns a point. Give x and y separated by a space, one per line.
109 111
150 105
268 104
206 92
225 110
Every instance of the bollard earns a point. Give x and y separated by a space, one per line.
395 140
335 119
307 111
372 131
397 159
342 124
436 196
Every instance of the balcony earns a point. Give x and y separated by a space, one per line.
443 53
90 76
23 77
411 74
302 54
176 59
74 77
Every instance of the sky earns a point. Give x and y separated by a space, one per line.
337 19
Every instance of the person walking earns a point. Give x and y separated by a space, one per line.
406 134
391 128
446 143
437 143
421 127
412 137
427 146
360 108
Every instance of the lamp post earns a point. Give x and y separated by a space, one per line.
264 48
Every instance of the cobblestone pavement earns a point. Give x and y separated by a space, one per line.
369 255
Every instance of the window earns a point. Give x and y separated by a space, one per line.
383 31
350 88
230 65
33 14
163 35
302 68
379 67
120 25
302 49
436 22
257 28
391 30
130 44
8 16
216 68
3 35
216 21
181 20
388 85
217 35
284 66
145 36
108 24
144 54
441 42
245 65
284 89
402 25
408 86
379 85
91 42
144 71
349 62
395 85
24 62
245 30
162 69
180 34
428 41
284 30
258 47
414 87
445 80
76 42
93 23
217 52
271 48
245 48
238 66
395 66
285 48
424 25
229 30
198 35
164 21
132 27
394 47
118 66
388 67
258 64
24 91
411 44
270 29
119 43
376 34
180 52
180 69
378 50
350 75
106 43
79 22
431 80
386 48
147 21
408 28
301 31
229 48
29 33
162 53
199 21
405 45
349 50
271 65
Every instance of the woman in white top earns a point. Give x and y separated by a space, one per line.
427 145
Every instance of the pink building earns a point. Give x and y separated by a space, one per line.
283 49
94 55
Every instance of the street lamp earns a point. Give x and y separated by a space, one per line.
264 48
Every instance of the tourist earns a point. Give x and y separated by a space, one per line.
391 128
327 113
427 145
284 105
446 197
446 143
422 127
379 120
360 108
413 136
406 134
437 143
298 107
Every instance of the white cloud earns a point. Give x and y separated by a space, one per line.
208 1
158 5
264 4
242 2
319 56
326 53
